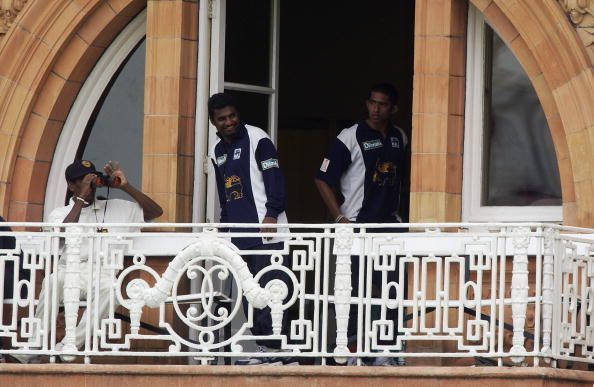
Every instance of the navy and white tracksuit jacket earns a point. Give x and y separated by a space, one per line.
369 170
249 182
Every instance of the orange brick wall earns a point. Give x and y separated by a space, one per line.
169 106
438 111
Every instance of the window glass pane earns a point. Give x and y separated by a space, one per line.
247 42
115 129
253 108
520 162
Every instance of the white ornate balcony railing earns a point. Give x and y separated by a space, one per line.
466 288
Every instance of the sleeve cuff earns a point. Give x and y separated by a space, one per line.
271 213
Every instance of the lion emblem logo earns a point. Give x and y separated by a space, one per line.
233 188
385 173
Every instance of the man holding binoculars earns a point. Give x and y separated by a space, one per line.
83 180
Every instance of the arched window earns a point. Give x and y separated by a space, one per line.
105 121
510 166
115 129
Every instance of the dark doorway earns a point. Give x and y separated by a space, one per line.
331 52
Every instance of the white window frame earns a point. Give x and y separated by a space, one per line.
473 168
83 107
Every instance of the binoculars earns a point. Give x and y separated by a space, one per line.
103 180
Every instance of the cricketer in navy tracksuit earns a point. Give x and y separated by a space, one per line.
368 169
251 186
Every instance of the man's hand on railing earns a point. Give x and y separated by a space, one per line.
268 220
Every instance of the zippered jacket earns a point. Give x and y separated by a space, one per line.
250 183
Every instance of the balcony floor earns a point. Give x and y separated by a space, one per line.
49 375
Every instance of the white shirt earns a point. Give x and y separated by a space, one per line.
117 211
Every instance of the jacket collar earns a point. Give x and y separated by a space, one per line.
241 131
363 124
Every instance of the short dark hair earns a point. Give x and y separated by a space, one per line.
387 89
220 101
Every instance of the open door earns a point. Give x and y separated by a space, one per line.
326 69
244 62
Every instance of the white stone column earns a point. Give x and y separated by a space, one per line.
519 289
74 237
342 289
548 285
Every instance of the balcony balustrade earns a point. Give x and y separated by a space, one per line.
512 293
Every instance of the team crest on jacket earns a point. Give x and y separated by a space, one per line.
385 173
395 142
233 188
237 154
221 159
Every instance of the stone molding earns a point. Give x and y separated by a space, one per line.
9 10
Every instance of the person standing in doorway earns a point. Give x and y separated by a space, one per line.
366 164
251 189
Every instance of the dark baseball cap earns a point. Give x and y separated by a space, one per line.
79 168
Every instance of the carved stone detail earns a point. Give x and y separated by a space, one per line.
581 15
9 9
580 12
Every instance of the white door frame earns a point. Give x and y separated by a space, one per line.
212 56
201 137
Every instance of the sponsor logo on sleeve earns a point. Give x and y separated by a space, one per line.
395 142
372 144
237 154
270 163
324 166
221 159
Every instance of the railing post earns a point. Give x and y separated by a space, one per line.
519 290
548 286
560 249
74 237
342 289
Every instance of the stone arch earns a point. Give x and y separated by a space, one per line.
547 46
44 59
